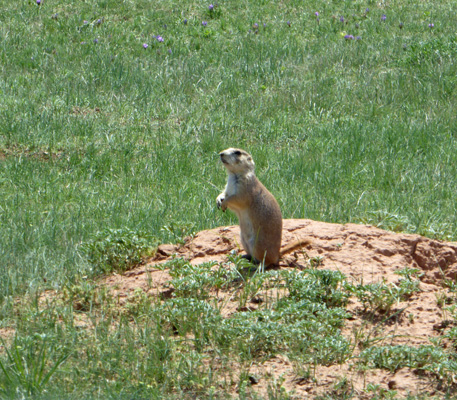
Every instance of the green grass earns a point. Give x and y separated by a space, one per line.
111 137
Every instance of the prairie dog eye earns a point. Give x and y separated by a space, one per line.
237 153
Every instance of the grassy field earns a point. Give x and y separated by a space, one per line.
112 114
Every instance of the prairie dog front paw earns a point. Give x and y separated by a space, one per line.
221 201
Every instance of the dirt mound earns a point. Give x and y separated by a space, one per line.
364 254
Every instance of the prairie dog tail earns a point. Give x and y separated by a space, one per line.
296 244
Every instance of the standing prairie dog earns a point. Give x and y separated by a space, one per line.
258 211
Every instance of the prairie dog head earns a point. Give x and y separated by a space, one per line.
237 161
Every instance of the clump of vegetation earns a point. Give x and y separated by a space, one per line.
118 249
380 297
425 358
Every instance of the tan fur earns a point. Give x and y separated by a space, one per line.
258 211
298 244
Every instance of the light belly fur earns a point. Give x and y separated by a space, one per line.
248 236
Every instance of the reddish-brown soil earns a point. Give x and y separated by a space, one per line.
365 254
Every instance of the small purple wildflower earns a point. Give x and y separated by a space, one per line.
185 22
255 26
431 25
348 37
264 24
99 21
85 22
145 46
169 51
341 19
210 7
204 23
367 10
288 23
95 40
316 13
400 25
358 38
38 2
159 38
383 18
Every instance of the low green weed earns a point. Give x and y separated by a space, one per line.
342 390
393 358
178 232
259 285
379 393
86 295
380 297
451 284
138 305
436 360
376 297
410 273
451 334
118 249
318 286
305 323
276 390
190 316
305 318
198 280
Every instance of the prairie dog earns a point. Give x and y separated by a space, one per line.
257 210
